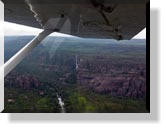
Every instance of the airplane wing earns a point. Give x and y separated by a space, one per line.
117 19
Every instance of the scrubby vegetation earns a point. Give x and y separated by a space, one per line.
89 76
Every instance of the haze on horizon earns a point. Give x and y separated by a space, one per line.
16 29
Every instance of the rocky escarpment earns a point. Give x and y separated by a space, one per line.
22 81
107 77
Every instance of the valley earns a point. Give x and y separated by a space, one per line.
93 76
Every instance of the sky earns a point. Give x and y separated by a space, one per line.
16 29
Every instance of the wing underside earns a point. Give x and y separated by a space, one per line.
90 18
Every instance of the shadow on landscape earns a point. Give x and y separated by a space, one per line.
114 117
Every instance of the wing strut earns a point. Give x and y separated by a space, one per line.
49 28
19 56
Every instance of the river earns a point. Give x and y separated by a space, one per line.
61 103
